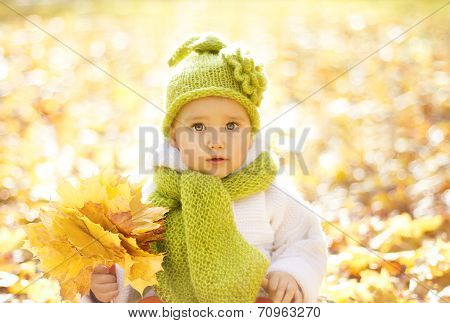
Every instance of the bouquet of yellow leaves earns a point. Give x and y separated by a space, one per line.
100 221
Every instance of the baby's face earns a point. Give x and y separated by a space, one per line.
212 127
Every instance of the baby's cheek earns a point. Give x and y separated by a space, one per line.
189 158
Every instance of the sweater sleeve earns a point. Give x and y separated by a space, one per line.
300 247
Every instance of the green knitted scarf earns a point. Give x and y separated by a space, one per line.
207 259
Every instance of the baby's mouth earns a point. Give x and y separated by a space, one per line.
217 160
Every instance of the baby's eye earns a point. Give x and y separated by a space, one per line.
231 125
198 126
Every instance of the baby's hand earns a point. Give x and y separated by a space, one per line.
104 283
282 288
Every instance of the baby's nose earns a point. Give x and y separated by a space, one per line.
215 145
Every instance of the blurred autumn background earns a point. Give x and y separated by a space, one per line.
377 153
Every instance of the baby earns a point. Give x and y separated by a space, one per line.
210 129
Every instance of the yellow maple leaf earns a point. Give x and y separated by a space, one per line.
97 221
140 272
61 261
89 238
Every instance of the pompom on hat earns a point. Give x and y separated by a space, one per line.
213 70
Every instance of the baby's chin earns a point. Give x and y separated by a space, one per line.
218 171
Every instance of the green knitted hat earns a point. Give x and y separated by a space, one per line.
214 70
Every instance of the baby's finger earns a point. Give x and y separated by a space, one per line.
264 283
281 290
105 288
103 278
273 283
290 292
298 296
107 297
100 269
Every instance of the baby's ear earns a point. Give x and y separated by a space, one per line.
251 141
173 140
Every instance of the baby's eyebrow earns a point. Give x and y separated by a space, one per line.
201 117
198 118
237 118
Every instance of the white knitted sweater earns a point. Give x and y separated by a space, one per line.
277 221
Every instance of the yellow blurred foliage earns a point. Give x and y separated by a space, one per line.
377 155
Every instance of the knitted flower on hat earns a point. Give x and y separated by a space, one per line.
213 69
